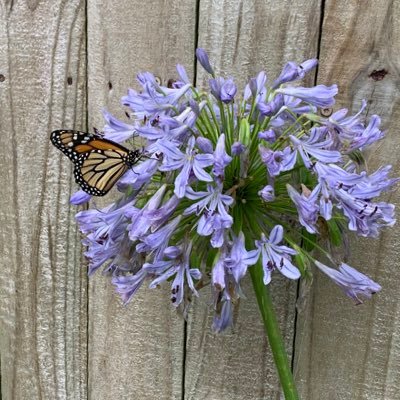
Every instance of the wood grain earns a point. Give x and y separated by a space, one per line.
243 38
135 352
343 351
42 285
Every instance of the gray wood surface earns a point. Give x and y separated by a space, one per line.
43 296
346 351
135 352
64 338
244 38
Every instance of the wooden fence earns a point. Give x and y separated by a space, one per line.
64 337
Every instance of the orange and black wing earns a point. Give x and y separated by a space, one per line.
97 171
99 162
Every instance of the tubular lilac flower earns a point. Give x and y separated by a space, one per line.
256 88
128 285
157 242
267 193
320 95
271 107
237 148
221 158
187 163
292 72
351 281
80 197
306 205
223 90
211 205
276 257
313 147
278 161
138 175
205 145
369 135
224 318
116 130
177 267
268 135
239 258
140 223
202 58
228 91
182 73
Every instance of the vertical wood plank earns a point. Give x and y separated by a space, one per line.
135 352
243 38
42 283
343 351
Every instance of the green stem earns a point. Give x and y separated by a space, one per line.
274 336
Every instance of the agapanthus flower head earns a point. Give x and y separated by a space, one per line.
232 182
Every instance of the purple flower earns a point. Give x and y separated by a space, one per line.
364 216
202 57
157 241
306 204
237 148
268 135
278 161
139 174
223 90
228 91
212 206
312 146
223 318
276 257
80 197
271 107
292 72
153 100
140 223
116 130
351 281
221 158
256 88
187 163
205 145
267 193
239 258
182 73
128 285
320 95
105 232
169 128
178 266
369 135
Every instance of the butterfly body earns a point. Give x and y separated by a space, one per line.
99 162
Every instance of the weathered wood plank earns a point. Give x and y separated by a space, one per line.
243 38
42 285
135 352
343 351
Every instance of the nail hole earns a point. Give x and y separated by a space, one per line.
110 85
326 112
2 78
378 74
69 80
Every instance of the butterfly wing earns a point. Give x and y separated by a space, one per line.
97 171
99 162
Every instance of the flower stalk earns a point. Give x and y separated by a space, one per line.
273 333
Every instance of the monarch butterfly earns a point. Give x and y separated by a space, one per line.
99 162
